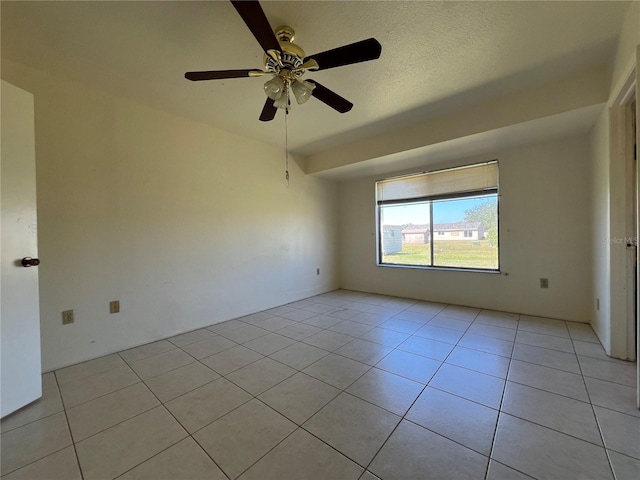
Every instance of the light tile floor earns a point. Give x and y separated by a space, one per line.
343 385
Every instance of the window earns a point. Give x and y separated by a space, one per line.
445 219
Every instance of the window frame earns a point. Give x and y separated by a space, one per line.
431 199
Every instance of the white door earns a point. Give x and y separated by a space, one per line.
21 381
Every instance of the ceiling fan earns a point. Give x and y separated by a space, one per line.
287 63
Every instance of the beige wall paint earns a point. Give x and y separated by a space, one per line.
628 40
544 232
186 225
567 94
601 271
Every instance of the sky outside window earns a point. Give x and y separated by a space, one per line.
449 211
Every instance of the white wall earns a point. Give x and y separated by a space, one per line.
567 94
600 205
186 225
544 232
628 40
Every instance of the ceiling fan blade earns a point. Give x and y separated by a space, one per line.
330 98
253 15
362 51
221 74
268 111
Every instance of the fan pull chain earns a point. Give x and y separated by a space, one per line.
286 140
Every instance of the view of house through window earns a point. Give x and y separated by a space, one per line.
456 228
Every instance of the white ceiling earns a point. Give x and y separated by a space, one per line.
436 56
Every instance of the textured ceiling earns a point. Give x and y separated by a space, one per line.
436 56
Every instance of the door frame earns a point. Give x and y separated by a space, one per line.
624 135
623 221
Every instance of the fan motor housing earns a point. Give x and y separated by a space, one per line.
292 55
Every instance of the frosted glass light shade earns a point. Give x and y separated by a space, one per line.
274 88
302 91
282 101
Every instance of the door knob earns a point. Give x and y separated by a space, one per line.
30 262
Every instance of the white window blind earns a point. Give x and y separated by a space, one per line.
454 181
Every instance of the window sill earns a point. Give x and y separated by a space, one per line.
442 269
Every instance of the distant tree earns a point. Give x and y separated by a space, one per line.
487 214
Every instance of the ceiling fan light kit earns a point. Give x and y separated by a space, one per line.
274 88
302 90
287 62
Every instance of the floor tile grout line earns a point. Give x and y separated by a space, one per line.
169 339
148 356
607 380
268 356
597 420
507 466
192 435
32 421
169 447
637 459
167 371
618 412
540 346
297 427
160 404
103 395
186 392
500 411
200 359
334 352
552 429
464 367
547 427
76 442
253 397
57 451
449 438
131 418
344 390
463 398
163 404
239 368
397 347
611 360
66 416
486 473
529 362
174 418
567 337
181 347
28 405
586 402
306 419
91 374
256 397
365 468
43 457
403 417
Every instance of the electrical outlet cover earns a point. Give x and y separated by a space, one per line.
114 306
67 317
